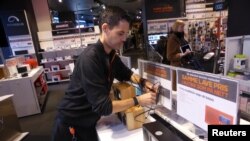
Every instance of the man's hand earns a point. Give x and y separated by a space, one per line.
147 99
150 87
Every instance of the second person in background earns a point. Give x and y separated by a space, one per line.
175 41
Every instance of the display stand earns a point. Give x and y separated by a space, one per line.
198 93
239 45
9 125
29 92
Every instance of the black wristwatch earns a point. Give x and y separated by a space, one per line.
135 101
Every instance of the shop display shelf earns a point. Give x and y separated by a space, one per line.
61 50
240 70
63 80
62 70
57 61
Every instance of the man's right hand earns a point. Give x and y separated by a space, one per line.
147 99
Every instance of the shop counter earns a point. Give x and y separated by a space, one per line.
28 92
9 124
110 128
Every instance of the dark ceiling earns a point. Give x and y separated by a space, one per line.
81 5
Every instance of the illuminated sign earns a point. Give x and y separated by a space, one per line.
218 6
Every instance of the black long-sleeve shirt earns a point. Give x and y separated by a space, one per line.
87 97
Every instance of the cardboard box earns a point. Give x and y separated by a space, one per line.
123 90
133 117
4 72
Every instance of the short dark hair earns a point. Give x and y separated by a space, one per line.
112 15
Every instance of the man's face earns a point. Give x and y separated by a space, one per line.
116 36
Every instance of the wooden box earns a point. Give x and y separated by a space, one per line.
133 117
123 90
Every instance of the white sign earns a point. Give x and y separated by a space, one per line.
158 73
206 99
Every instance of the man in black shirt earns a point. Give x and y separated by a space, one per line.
87 97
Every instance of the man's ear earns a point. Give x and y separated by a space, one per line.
105 27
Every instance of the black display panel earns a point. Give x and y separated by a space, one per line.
3 41
162 9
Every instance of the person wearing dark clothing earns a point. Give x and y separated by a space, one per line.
87 97
161 44
161 48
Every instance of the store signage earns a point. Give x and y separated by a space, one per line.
213 99
15 23
161 9
155 70
218 6
73 31
64 25
158 73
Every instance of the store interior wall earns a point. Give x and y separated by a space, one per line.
39 16
15 5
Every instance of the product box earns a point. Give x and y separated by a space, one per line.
55 67
46 69
4 72
59 58
240 61
67 57
133 117
56 78
123 90
44 60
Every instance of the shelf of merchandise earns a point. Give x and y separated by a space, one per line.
63 80
240 70
59 50
62 70
56 47
57 61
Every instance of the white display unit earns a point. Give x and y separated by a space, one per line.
9 125
238 45
29 92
